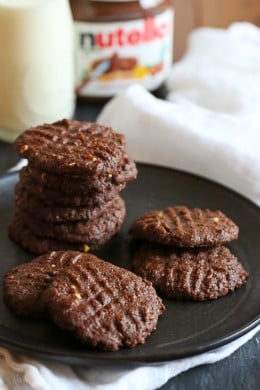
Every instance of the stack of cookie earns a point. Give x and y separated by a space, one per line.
68 194
183 254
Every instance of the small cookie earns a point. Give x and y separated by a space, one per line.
23 236
73 199
40 237
198 274
93 232
105 306
57 214
185 227
71 184
24 284
72 147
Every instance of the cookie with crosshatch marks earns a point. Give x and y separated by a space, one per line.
185 227
69 184
39 236
22 235
95 232
104 306
194 274
56 213
24 284
78 199
72 147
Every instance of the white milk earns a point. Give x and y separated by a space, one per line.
36 64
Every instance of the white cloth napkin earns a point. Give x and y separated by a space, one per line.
210 126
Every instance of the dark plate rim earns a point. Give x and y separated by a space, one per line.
85 359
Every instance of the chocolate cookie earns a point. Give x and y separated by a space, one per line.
71 184
72 148
185 227
55 213
94 232
105 306
23 236
59 198
23 285
198 274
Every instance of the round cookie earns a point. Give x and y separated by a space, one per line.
72 147
71 184
55 213
184 227
93 232
24 284
23 236
105 306
198 275
40 237
73 199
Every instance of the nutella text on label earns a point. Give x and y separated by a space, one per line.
110 56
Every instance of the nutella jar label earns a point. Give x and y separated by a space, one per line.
110 56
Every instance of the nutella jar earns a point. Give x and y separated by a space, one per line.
118 43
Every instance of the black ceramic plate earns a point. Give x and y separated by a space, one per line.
186 328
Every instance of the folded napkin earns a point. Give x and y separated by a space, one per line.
221 71
210 126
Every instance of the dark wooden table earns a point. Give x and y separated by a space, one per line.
240 371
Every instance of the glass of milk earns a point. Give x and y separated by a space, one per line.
36 64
